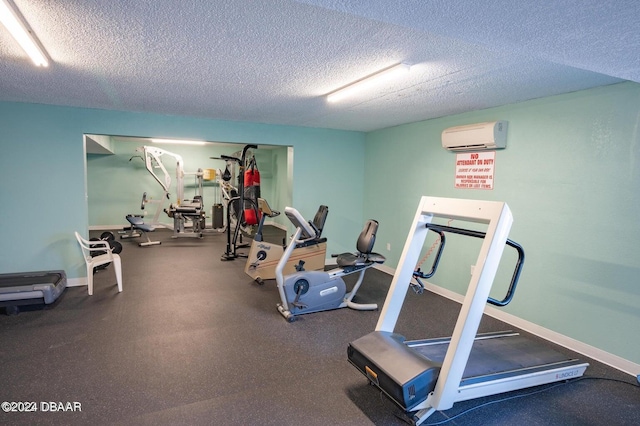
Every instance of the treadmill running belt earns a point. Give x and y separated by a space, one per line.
497 354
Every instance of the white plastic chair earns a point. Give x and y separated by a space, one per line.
92 262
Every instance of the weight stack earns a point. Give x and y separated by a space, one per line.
217 214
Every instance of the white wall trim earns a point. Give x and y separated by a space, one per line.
107 227
604 357
77 282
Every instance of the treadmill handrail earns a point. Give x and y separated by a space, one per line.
417 274
479 234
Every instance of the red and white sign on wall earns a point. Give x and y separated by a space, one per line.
475 170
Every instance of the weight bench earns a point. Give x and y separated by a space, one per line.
139 228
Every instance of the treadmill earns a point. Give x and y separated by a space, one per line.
425 376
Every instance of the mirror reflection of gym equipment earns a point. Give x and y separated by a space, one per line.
425 376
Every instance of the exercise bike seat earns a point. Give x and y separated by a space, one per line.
364 255
319 219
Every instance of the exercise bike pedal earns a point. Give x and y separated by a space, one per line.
300 287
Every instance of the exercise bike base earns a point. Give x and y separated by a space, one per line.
314 291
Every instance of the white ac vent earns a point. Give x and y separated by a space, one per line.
476 137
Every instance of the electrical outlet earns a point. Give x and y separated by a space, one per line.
388 246
472 268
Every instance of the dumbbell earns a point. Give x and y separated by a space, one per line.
107 236
116 247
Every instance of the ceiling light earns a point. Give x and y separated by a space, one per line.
18 28
369 81
178 141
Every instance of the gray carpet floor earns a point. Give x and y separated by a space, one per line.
192 340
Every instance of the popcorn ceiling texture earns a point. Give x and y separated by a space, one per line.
272 61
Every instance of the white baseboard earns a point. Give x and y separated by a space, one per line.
386 269
76 282
604 357
107 227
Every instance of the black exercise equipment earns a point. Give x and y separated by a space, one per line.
231 252
115 246
29 288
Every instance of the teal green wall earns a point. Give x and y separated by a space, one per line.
280 160
571 176
42 170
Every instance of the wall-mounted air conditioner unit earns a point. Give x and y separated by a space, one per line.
475 137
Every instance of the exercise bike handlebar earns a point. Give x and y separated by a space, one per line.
478 234
307 230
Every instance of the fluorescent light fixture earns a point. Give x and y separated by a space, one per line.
11 19
368 82
178 141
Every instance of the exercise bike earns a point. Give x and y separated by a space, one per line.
313 291
264 256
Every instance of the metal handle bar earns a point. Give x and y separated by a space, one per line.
436 261
478 234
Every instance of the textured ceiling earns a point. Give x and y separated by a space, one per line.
272 61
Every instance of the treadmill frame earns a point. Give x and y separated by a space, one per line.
448 389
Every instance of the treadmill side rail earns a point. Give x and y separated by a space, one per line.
570 369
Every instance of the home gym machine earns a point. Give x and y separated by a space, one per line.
237 204
264 256
313 291
183 211
424 376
